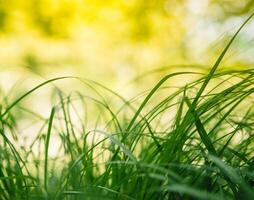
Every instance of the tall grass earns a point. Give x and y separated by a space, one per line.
193 142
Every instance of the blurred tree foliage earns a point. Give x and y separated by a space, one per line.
232 7
122 33
55 18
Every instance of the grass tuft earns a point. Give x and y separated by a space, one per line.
190 142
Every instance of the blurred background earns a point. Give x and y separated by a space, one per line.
115 41
126 45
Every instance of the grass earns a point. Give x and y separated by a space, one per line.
193 142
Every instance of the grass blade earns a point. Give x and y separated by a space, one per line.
50 123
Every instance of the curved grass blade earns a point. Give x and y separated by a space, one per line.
148 97
201 129
218 61
50 123
29 92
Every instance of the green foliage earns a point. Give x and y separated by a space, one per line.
204 150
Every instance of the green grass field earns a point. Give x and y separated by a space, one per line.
191 142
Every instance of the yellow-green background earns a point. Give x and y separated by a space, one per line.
114 41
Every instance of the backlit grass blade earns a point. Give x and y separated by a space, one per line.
218 61
29 92
148 97
201 130
50 124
